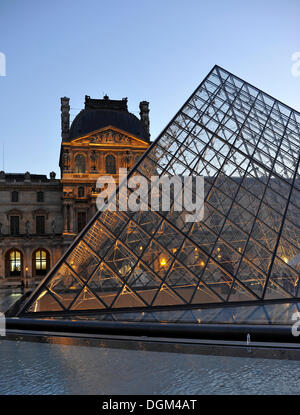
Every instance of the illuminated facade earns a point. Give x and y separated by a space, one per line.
245 251
39 217
103 137
30 226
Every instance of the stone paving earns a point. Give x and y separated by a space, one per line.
8 296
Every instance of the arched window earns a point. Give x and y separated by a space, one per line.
80 191
40 262
80 163
110 164
14 263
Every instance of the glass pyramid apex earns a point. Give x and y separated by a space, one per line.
246 249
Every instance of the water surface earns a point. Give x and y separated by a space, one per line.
46 368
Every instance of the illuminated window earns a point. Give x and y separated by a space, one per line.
110 164
41 262
79 164
15 263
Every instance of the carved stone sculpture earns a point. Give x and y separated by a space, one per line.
27 225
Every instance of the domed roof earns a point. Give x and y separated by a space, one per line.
101 113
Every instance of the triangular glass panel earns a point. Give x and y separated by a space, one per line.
157 258
275 292
99 239
87 301
83 261
144 282
191 256
218 279
182 281
135 238
44 302
127 298
166 297
252 278
106 284
240 293
203 295
120 260
285 276
169 237
65 285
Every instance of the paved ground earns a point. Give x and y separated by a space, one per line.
8 296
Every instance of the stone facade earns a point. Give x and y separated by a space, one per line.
31 220
40 216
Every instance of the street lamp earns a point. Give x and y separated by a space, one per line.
26 271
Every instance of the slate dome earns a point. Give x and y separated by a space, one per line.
99 113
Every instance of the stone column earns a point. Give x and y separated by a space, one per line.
72 217
65 117
65 218
144 113
2 263
27 275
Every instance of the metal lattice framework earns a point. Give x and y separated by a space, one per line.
246 249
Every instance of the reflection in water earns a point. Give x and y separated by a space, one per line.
41 368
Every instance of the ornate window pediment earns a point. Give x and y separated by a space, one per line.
14 212
40 212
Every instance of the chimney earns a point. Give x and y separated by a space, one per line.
144 113
65 117
27 176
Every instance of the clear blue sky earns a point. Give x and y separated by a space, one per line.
155 50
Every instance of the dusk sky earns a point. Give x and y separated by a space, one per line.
156 50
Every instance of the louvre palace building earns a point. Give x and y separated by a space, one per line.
40 216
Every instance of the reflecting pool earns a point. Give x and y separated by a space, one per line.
31 367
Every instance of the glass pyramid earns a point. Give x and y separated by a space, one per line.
247 247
